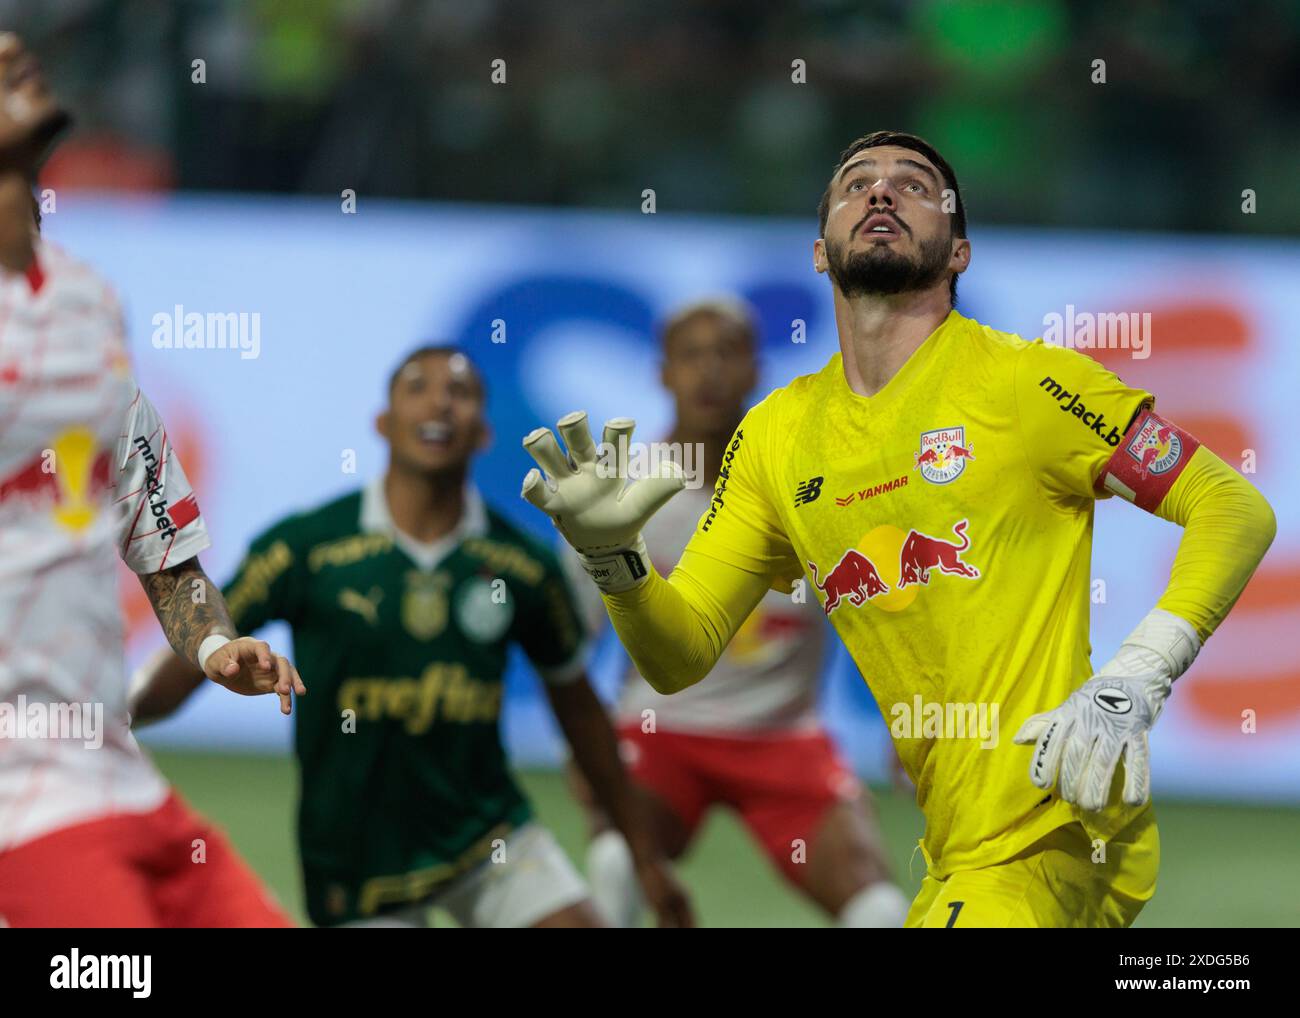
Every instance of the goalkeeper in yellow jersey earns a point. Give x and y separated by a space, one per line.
935 481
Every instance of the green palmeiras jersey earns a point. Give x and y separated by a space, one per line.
403 648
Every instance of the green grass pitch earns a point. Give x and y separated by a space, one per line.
1221 866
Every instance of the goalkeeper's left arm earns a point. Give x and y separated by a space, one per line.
1228 526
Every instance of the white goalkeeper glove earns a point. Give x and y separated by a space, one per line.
1109 717
589 501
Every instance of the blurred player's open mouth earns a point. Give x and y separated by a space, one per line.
434 434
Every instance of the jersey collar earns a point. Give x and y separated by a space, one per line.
924 358
376 519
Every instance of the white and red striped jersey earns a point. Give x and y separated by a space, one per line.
86 473
765 681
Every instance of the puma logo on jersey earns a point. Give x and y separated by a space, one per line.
366 606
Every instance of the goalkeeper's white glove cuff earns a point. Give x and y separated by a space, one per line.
1159 649
618 571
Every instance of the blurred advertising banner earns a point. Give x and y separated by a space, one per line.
265 331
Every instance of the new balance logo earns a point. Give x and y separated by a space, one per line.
808 491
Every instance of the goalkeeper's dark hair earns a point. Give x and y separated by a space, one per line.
444 349
899 139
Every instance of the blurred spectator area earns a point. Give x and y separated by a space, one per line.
694 99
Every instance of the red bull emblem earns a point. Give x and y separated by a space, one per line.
921 553
943 455
855 576
1156 447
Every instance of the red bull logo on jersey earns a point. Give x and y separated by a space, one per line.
857 579
854 576
67 478
943 455
1156 447
921 553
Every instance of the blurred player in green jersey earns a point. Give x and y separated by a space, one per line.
404 598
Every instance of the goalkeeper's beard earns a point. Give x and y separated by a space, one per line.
881 271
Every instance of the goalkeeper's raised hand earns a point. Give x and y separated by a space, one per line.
587 496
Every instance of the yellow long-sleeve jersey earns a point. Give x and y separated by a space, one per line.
945 525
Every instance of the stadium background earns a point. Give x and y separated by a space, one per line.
521 202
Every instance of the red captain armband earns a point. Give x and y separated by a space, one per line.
1148 461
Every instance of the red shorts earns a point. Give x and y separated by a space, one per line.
133 869
781 785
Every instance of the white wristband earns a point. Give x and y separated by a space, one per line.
1173 638
211 643
617 571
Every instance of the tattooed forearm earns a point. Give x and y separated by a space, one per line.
189 607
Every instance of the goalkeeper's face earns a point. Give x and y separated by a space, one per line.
887 230
30 115
434 422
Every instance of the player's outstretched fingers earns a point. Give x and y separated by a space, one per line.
284 683
284 676
260 657
1094 788
540 444
643 499
536 490
1032 729
577 437
617 435
1137 771
1046 759
1075 753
